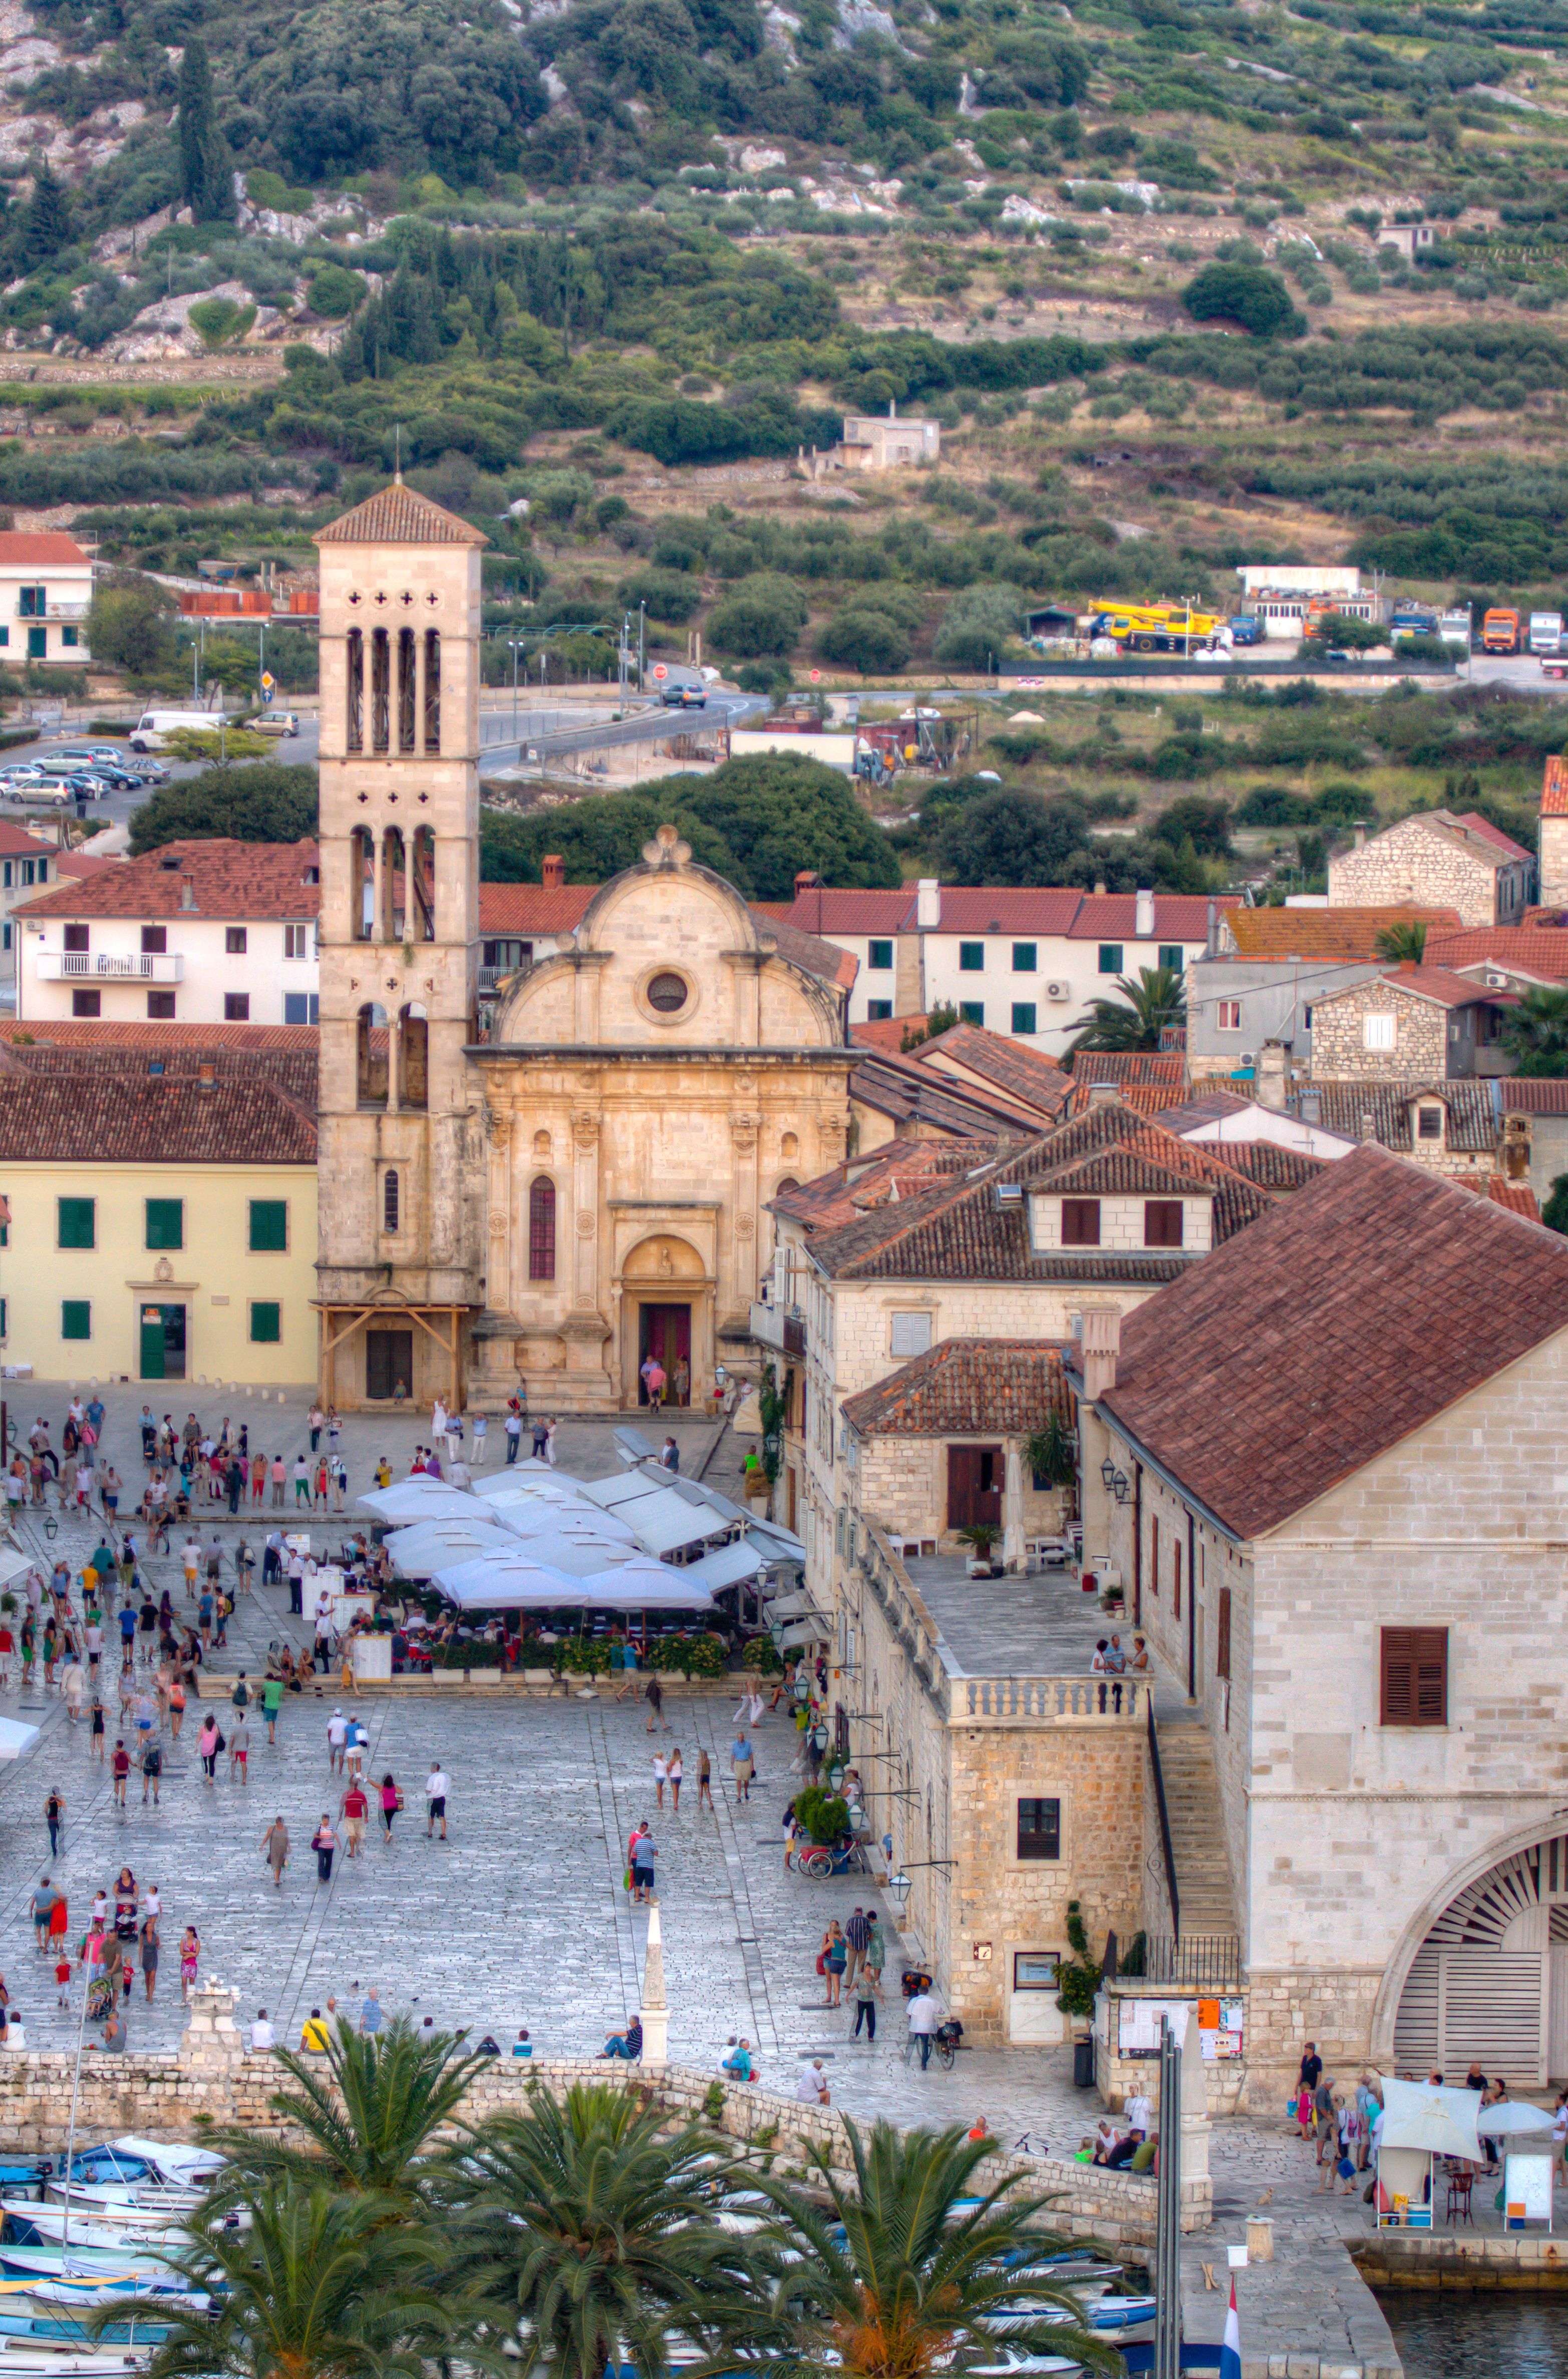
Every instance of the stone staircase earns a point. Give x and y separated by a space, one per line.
1198 1843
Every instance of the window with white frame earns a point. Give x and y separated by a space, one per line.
296 941
1229 1015
1378 1029
910 1335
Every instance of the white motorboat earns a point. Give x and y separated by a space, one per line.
28 2223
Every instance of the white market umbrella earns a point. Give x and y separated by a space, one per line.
431 1545
16 1737
536 1487
553 1520
643 1585
578 1556
1511 2119
506 1582
418 1499
1434 2119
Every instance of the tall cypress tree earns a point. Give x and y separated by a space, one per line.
46 227
206 172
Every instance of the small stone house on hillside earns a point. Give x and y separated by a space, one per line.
1344 1529
1440 860
1422 1023
1449 1127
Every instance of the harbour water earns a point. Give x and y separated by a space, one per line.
1457 2333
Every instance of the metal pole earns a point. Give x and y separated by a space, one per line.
76 2088
642 646
1167 2250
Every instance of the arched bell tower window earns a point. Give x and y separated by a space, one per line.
390 1203
541 1229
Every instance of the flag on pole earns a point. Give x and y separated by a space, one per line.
1230 2349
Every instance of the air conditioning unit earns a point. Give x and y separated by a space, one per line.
1249 1058
1496 982
1058 991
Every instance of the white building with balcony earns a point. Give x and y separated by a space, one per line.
45 588
197 933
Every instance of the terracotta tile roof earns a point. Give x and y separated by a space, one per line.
399 516
1518 1196
1166 1068
1009 909
525 909
1527 950
236 881
1554 787
1348 934
1144 1098
96 1107
24 548
1342 1323
961 1231
1493 834
16 843
918 1095
966 1387
849 910
1381 1111
195 1041
1178 917
1431 983
1531 1094
1024 1073
73 865
877 1032
1272 1166
898 1169
1212 1106
824 960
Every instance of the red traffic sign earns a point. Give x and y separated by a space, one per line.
816 677
661 673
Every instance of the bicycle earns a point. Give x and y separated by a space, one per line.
944 2047
1027 2144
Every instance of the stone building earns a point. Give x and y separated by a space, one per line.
1439 860
588 1183
1409 1023
1553 879
1345 1530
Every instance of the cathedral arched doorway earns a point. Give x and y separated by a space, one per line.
667 1320
1489 1979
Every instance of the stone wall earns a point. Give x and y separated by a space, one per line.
1117 2077
214 2079
1553 893
904 1481
1420 1036
1417 861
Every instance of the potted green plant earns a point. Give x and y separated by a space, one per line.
981 1537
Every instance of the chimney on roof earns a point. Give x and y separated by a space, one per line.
1361 835
187 891
1144 917
1212 942
928 904
806 880
1369 1129
1101 1345
1104 1094
1270 1086
206 1074
1100 890
552 871
892 408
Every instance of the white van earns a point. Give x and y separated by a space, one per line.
148 733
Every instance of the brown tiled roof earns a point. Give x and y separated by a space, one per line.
851 911
525 909
81 1113
77 863
966 1387
1430 982
1166 1068
1009 909
898 1169
192 1042
1269 1165
1012 1065
239 882
30 549
1346 933
1554 787
16 843
1518 1196
399 516
1526 950
961 1232
1347 1320
1210 1106
1381 1111
886 1032
824 960
917 1095
1475 835
1532 1094
1493 834
1178 916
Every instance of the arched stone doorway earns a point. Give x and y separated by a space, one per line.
666 1312
1489 1978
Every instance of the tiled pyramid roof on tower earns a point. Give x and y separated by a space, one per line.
399 515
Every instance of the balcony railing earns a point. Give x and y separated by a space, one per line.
781 1327
47 610
979 1700
109 966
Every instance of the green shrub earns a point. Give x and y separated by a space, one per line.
333 290
1245 294
218 321
824 1814
868 641
264 189
762 1656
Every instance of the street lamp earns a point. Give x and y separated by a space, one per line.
1120 1485
900 1887
802 1684
1108 1472
819 1737
835 1774
518 646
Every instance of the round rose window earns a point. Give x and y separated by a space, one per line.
667 993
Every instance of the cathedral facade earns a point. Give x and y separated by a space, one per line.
583 1184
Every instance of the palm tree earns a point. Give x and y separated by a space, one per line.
318 2287
594 2228
1535 1033
912 2270
1402 945
369 2119
1136 1021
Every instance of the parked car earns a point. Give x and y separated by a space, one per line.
274 722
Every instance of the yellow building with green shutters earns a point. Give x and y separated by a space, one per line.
161 1189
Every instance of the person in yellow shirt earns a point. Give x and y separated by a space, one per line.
313 2035
383 1472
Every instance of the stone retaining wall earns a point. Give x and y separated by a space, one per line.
1425 2259
215 2079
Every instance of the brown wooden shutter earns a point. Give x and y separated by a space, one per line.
1176 1579
1081 1222
1415 1676
1154 1558
1222 1640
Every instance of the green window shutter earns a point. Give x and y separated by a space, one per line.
75 1318
971 1011
78 1226
1026 957
1110 958
166 1223
266 1324
971 958
1023 1016
268 1226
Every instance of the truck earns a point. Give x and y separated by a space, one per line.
148 733
1500 631
1545 631
1245 629
1413 620
1454 627
1154 627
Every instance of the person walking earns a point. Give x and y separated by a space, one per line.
391 1801
437 1785
239 1750
44 1904
652 1694
151 1769
207 1743
355 1808
271 1703
481 1439
337 1740
836 1955
866 2006
644 1852
743 1766
274 1846
660 1776
704 1782
314 1422
923 2020
149 1940
513 1426
876 1952
54 1817
675 1771
323 1842
190 1960
857 1932
371 2012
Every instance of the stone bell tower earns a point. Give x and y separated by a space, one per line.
399 1261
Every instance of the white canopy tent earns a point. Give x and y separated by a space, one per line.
16 1736
735 1564
14 1564
565 1520
418 1499
425 1546
522 1584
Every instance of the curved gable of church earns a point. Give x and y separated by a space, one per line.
668 954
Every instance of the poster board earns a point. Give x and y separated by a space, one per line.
1220 2025
1526 2187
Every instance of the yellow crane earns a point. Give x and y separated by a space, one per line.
1154 627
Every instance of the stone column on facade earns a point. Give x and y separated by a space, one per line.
498 1269
654 2014
1012 1506
584 1209
210 2045
744 1138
